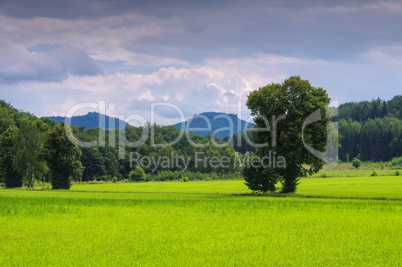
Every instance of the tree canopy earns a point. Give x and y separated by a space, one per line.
283 110
63 158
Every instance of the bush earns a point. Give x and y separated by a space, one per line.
137 175
260 179
374 174
397 173
396 162
61 181
114 179
184 178
13 179
356 163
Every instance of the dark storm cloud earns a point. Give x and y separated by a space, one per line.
203 55
73 9
310 29
18 64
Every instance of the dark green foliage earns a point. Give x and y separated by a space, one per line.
294 100
192 176
29 151
374 173
396 162
137 175
61 180
184 178
242 143
397 173
12 178
50 123
371 129
377 108
93 162
356 163
6 120
63 157
260 179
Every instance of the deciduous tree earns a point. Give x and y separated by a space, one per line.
63 157
12 178
288 107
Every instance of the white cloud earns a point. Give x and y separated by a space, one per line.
202 60
215 85
385 55
354 7
103 38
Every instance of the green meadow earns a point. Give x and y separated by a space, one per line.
329 222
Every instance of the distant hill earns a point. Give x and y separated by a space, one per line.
219 122
91 120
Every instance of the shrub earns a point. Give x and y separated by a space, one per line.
396 162
59 181
374 174
184 178
260 179
356 163
137 175
324 175
397 173
114 179
13 179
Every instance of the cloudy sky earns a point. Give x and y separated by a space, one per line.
200 56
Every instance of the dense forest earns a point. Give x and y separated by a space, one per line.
161 157
370 130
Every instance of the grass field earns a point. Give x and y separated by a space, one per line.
388 187
204 224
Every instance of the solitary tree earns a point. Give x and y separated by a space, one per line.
63 158
293 114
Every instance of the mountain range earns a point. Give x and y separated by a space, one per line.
209 122
201 124
92 120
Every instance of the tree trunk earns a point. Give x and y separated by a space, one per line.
33 178
27 176
289 184
290 180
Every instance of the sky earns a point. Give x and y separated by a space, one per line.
186 57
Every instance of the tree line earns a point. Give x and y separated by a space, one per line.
34 149
370 131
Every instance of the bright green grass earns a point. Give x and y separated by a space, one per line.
176 225
355 173
359 187
217 186
369 187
